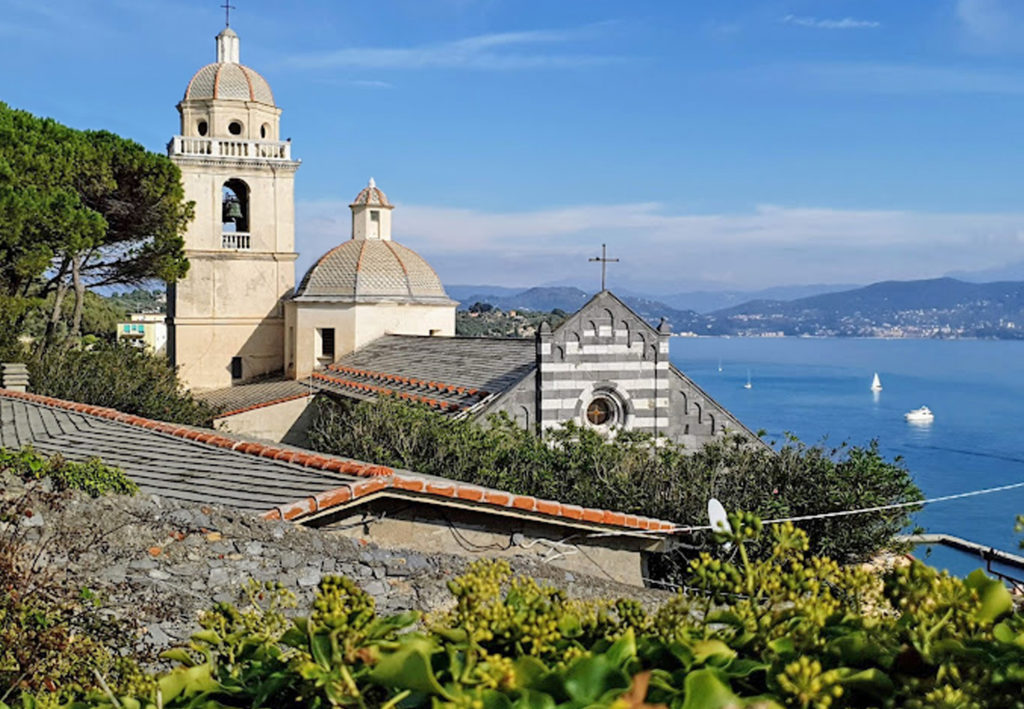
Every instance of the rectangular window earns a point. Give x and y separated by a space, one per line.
126 328
327 343
236 367
374 215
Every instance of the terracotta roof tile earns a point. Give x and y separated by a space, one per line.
367 478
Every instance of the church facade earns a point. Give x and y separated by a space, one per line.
371 318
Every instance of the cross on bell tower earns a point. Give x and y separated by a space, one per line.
604 263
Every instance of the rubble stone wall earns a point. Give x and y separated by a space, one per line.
158 564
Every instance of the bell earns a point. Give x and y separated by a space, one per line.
231 211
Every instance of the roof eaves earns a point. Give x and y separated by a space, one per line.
212 438
379 477
262 404
478 496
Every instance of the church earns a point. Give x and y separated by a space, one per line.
371 317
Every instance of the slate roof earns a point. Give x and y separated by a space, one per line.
452 374
246 397
205 466
161 463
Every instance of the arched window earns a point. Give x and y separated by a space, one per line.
235 128
235 206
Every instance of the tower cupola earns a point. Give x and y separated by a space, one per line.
227 46
371 214
227 99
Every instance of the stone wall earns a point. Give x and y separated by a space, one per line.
156 565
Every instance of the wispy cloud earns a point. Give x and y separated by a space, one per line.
991 25
845 23
371 84
661 249
893 78
500 50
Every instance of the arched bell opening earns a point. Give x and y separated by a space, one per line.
235 206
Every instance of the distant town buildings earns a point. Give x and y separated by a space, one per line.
147 330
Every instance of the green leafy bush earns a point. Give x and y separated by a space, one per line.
119 376
579 466
53 639
91 476
787 630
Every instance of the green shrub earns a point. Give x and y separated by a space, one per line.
92 476
579 466
53 638
789 630
119 376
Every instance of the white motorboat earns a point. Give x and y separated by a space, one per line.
749 384
876 383
922 415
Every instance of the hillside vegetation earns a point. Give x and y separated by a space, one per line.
580 466
789 630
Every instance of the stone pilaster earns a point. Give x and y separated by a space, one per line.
545 356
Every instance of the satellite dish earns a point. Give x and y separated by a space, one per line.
719 519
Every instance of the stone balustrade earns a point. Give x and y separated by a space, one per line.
223 148
235 240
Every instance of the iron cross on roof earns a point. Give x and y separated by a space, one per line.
604 262
227 12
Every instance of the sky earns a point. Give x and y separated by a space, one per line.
730 144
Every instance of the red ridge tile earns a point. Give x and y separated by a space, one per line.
442 489
572 511
496 497
548 507
524 502
402 482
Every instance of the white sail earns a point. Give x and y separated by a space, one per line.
876 383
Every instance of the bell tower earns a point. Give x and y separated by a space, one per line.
226 317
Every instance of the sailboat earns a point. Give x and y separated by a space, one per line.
876 383
719 364
748 385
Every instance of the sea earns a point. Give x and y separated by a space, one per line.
819 390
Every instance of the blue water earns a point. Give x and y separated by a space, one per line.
819 389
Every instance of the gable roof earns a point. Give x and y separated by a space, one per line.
599 300
204 466
453 374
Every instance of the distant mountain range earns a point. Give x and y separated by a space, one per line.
569 299
940 307
702 301
706 301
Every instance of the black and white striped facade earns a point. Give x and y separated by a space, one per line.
605 352
604 357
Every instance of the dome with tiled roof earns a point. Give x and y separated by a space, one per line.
227 78
371 269
370 266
